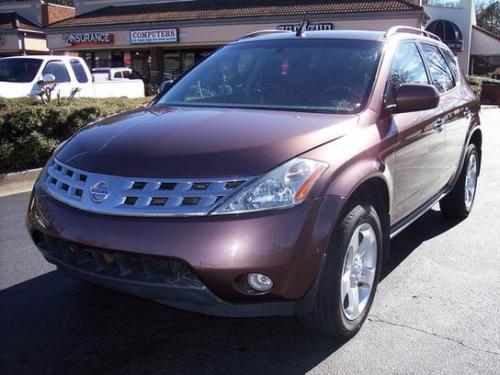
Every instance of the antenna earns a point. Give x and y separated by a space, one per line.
303 26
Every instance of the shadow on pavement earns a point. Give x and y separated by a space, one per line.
53 324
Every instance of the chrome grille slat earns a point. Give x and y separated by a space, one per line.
135 196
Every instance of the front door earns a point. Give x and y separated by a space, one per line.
420 138
58 69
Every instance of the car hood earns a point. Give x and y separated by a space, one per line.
15 89
199 142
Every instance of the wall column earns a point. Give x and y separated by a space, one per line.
156 66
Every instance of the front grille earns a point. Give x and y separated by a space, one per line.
133 268
136 196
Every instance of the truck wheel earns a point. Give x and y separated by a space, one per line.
349 279
458 203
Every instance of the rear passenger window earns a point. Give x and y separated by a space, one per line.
441 75
79 70
58 69
407 67
452 63
126 74
118 75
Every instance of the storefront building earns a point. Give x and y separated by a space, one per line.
21 25
19 36
162 40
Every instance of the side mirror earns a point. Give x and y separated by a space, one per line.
415 97
47 79
165 85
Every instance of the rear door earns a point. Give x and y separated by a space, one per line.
420 139
82 76
445 76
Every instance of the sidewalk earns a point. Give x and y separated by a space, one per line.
18 182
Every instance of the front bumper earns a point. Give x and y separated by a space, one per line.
215 252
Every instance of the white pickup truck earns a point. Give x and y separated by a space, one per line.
20 76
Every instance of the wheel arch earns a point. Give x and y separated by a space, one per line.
374 189
476 138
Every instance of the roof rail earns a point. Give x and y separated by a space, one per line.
408 29
263 32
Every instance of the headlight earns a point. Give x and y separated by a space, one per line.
285 186
49 162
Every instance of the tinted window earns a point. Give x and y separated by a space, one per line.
440 73
297 74
452 63
58 69
19 69
136 75
79 70
126 74
118 75
407 67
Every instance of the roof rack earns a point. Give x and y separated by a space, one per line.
263 32
408 29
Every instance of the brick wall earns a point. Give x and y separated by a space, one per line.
52 13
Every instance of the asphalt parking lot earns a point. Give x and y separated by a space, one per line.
437 310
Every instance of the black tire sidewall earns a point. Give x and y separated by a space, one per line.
331 282
471 150
453 205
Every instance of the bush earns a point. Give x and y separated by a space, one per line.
30 130
476 83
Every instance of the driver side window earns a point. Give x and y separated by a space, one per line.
407 67
58 69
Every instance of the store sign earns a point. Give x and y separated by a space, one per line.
154 36
88 39
310 27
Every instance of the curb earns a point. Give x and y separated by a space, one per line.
487 107
11 183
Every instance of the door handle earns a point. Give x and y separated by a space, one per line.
467 113
439 126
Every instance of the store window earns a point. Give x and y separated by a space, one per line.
177 62
103 59
172 65
140 62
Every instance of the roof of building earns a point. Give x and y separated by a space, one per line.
13 21
484 31
225 9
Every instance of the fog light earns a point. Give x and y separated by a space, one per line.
259 282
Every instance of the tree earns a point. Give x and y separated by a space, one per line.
489 17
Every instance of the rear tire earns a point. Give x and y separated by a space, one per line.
351 271
459 202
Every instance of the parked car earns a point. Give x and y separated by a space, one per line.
269 179
111 74
119 74
21 76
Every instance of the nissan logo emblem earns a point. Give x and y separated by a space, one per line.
99 192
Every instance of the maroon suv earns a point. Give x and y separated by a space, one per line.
269 179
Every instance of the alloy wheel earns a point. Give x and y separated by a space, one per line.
358 273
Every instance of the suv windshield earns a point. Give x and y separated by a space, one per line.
19 70
324 75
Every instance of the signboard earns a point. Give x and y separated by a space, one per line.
88 39
154 36
310 27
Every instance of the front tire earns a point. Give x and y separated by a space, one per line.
350 276
459 202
